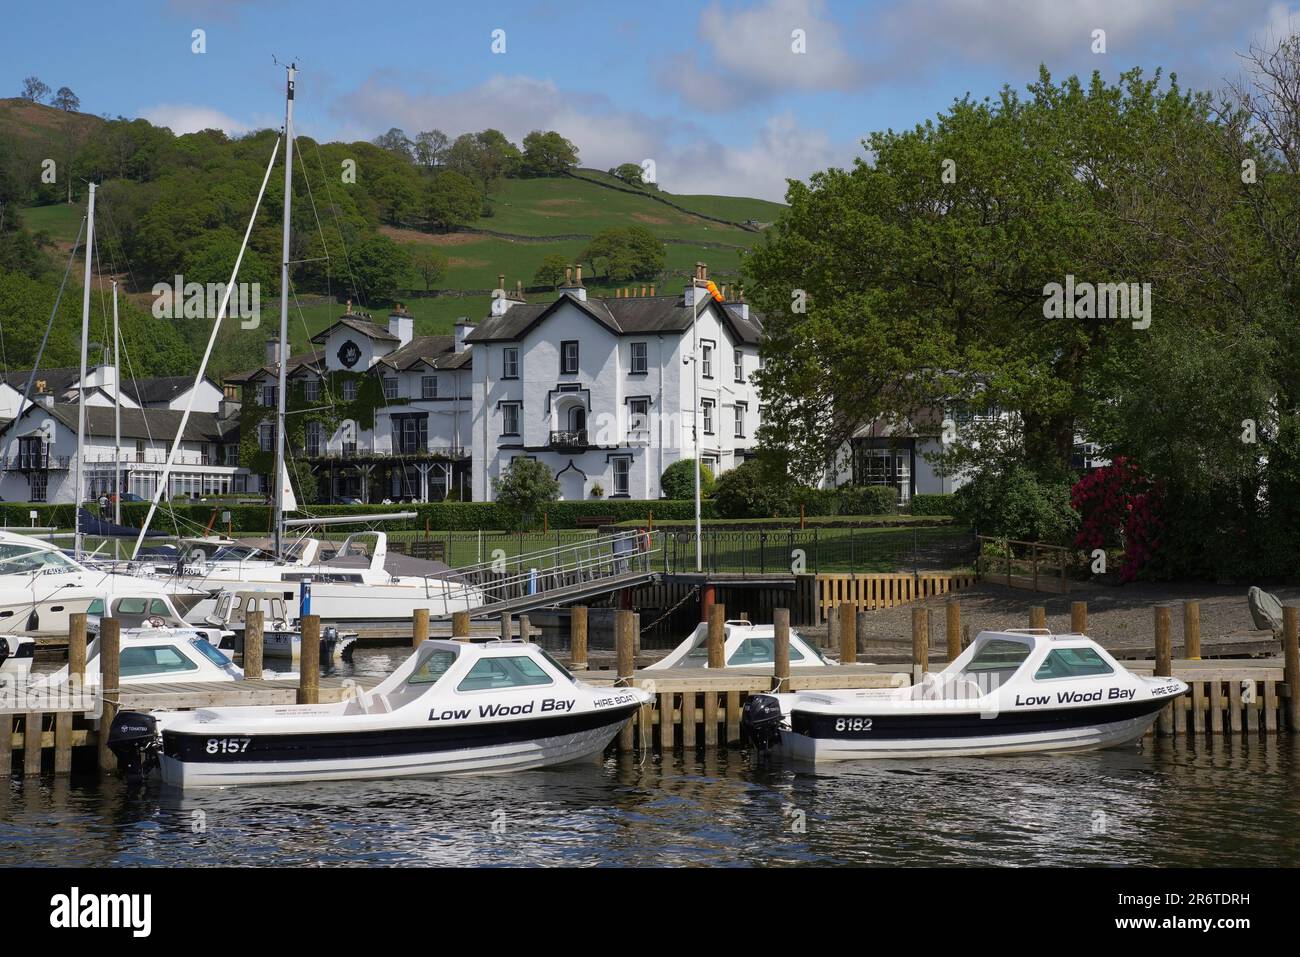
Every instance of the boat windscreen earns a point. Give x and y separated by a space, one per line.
997 655
433 667
213 655
24 559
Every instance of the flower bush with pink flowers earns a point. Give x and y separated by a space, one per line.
1119 507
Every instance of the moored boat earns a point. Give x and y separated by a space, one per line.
452 707
1010 692
745 645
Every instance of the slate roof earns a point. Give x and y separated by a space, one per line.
646 315
57 381
296 363
371 330
143 423
437 351
159 388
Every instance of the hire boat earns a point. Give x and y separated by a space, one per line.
1010 692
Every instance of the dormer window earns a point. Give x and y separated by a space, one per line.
311 390
569 357
269 396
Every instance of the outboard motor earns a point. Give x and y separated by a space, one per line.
134 739
329 639
760 721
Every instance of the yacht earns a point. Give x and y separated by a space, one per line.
40 587
452 707
1010 692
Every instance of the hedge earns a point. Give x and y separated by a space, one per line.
442 516
934 504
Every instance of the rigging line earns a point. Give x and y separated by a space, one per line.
36 364
347 261
320 230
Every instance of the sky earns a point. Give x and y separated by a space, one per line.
718 94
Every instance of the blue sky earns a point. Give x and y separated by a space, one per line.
711 91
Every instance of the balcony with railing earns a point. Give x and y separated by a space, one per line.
370 451
571 439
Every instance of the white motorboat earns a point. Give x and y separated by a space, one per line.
16 654
154 655
362 582
40 587
746 646
135 612
280 639
452 707
1010 692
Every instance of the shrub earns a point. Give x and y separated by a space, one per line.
1119 506
1016 503
934 504
678 481
868 500
747 492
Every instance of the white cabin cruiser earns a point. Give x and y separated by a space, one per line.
152 656
362 582
745 646
40 587
1010 692
452 707
280 637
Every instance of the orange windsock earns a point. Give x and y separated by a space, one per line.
713 291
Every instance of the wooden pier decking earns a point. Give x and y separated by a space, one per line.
695 707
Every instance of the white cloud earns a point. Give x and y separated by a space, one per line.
183 118
751 55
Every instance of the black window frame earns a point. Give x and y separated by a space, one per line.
518 408
741 409
645 358
708 351
708 422
564 356
509 351
424 386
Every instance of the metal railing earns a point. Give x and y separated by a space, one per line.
544 576
571 439
780 551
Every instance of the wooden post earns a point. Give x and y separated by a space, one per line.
110 670
419 626
1192 630
1291 664
1164 659
920 641
460 625
525 629
1037 616
33 722
832 625
848 633
578 638
309 661
861 632
1079 617
781 649
717 636
6 746
507 626
626 661
952 627
76 680
254 631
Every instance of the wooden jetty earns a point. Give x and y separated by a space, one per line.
692 707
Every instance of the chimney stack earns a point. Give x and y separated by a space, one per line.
573 283
401 324
519 290
568 276
577 274
463 328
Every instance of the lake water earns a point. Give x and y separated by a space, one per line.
1165 804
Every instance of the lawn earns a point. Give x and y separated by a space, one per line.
60 221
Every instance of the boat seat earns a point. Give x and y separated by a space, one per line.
369 704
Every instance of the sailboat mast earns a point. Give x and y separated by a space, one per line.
77 538
280 475
117 419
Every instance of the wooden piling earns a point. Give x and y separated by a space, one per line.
1291 665
688 719
254 631
110 670
862 629
419 627
781 649
1164 660
76 681
525 629
848 634
626 662
1079 617
920 641
578 638
507 626
33 722
309 661
832 625
6 746
1192 630
460 625
710 719
1037 616
952 627
717 636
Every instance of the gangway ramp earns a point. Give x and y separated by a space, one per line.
554 576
